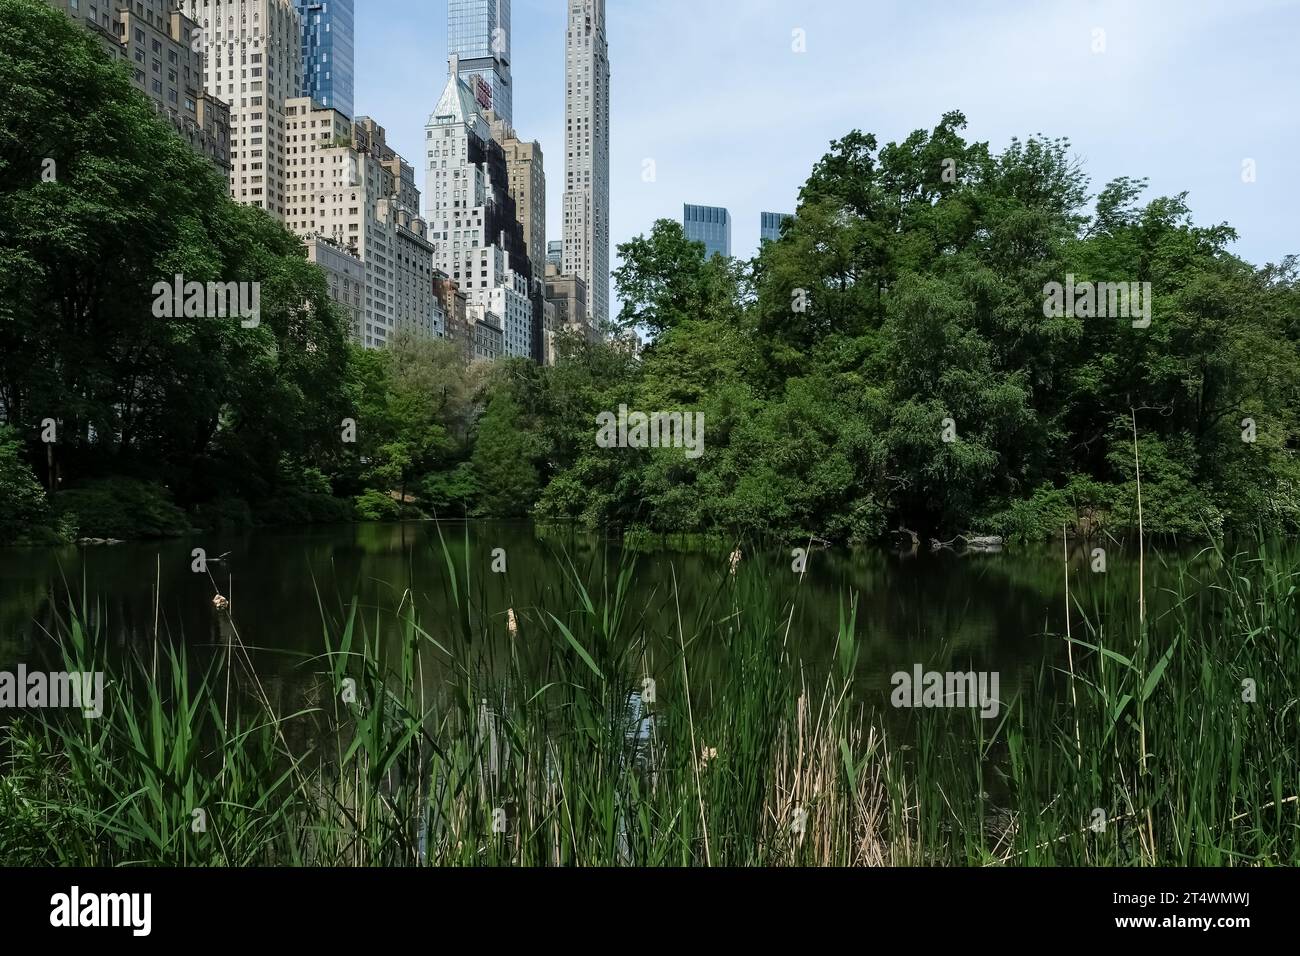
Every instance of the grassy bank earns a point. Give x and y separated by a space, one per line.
528 736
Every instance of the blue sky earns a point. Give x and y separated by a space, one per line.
713 92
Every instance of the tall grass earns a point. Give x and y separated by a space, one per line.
1222 770
529 738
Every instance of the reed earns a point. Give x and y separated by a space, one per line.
532 738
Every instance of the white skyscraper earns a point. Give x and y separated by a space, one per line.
473 224
253 60
586 175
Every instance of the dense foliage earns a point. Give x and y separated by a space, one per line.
99 201
899 306
887 363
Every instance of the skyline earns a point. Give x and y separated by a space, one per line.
1012 74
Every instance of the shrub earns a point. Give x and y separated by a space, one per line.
449 490
224 514
122 508
24 510
376 506
300 507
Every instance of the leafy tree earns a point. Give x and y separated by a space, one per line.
24 511
503 469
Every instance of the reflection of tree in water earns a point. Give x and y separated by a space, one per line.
944 611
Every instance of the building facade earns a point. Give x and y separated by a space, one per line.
555 254
253 61
567 296
710 225
487 334
346 275
526 183
770 225
346 185
156 42
513 311
586 177
473 219
478 35
455 309
328 41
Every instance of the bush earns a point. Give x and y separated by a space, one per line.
1084 506
24 511
301 507
377 506
122 508
449 490
224 514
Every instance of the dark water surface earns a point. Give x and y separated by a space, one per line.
999 612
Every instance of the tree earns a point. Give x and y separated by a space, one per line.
23 508
503 468
100 201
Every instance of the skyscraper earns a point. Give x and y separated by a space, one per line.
710 225
770 225
478 35
526 180
152 32
555 254
328 36
473 222
586 182
253 60
352 197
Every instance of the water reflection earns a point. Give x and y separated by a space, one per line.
946 611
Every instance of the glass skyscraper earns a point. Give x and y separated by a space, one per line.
478 32
710 225
327 52
770 228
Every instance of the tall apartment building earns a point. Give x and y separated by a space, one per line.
455 307
586 178
514 310
488 335
478 36
346 185
478 240
253 60
156 42
567 295
328 38
555 254
346 275
710 225
770 225
550 328
369 137
526 182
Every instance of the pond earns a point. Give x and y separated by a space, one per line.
1000 613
